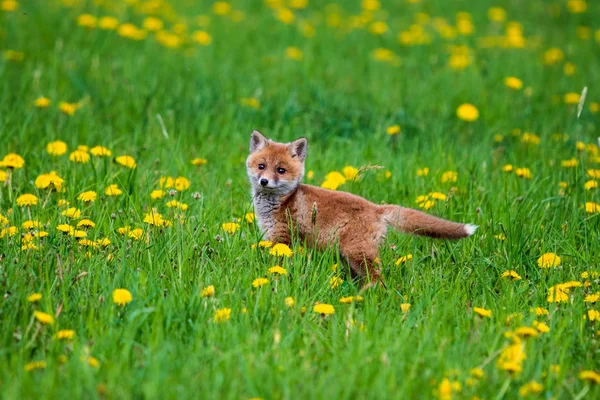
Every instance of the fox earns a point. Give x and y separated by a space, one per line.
323 218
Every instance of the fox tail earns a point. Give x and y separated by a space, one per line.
418 223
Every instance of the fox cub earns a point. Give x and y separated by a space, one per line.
323 217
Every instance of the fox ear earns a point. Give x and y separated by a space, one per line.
257 141
298 148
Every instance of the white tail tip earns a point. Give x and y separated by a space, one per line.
470 229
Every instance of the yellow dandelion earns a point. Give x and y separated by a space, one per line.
512 275
108 23
592 208
281 250
482 312
289 301
100 151
467 112
26 200
43 317
72 212
278 270
393 130
65 334
34 297
591 376
35 365
199 161
208 291
126 161
324 309
230 227
113 190
513 82
121 297
87 197
294 53
222 315
404 259
258 282
405 307
548 260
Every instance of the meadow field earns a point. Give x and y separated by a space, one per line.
131 264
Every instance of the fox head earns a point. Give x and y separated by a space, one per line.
274 167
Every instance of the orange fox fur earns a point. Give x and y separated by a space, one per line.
323 217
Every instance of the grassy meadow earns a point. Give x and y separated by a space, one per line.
131 265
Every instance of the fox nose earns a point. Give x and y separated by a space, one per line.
264 182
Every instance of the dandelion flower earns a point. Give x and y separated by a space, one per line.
523 173
278 270
43 317
512 275
26 200
222 315
181 183
93 362
251 102
423 171
64 334
68 108
449 176
121 297
294 53
404 259
591 184
87 197
513 83
230 227
548 260
281 249
208 291
126 161
335 281
289 301
530 388
199 161
113 190
35 365
589 375
324 309
100 151
157 194
258 282
593 315
79 156
72 212
467 112
393 130
483 312
49 181
34 297
541 327
592 208
87 21
203 38
405 307
108 23
56 148
12 161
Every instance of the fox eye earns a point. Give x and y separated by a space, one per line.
281 171
261 166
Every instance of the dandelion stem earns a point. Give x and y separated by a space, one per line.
503 389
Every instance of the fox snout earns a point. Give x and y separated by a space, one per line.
264 182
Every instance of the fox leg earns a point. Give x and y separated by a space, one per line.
361 259
280 233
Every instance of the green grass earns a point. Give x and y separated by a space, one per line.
165 344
